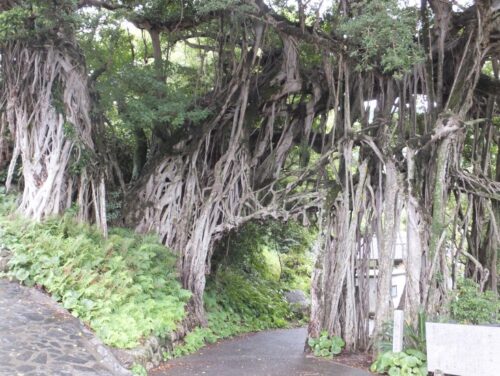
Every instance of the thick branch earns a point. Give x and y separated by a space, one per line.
109 5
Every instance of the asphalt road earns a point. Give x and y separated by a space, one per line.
269 353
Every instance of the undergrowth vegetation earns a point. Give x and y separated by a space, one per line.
252 269
271 250
410 362
470 306
325 345
125 287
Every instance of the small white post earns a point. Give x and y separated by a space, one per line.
397 333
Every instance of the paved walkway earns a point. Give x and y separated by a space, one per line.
39 338
269 353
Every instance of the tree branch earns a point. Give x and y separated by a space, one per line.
109 5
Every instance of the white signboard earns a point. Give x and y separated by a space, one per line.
464 350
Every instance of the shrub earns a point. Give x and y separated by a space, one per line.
414 337
469 306
270 250
406 363
259 303
255 265
125 287
325 345
194 341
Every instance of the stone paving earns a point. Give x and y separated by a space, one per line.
39 338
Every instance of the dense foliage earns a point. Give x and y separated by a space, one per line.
35 20
125 287
405 363
253 267
269 250
192 119
382 36
470 306
325 345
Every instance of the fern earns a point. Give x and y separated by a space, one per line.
127 281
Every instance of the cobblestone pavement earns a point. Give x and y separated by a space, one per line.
39 338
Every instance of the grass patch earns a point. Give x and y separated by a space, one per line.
124 287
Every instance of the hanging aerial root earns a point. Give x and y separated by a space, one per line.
48 111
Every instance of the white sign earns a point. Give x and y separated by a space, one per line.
465 350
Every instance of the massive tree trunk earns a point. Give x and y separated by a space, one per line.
48 111
388 218
231 169
334 273
267 98
222 178
432 166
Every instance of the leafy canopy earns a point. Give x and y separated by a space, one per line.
382 35
36 20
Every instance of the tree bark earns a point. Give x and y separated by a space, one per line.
414 245
48 111
388 226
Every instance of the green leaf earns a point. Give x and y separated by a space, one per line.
394 371
423 371
22 274
416 353
375 366
412 361
386 360
312 342
337 341
336 349
324 352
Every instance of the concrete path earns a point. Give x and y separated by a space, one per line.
39 338
269 353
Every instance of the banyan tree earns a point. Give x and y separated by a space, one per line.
47 108
363 118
